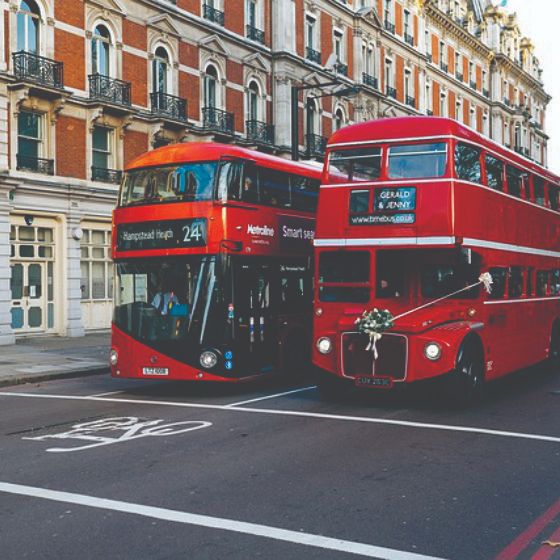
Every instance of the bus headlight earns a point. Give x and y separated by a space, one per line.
432 351
113 357
324 345
208 359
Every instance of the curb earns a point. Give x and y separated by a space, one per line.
29 378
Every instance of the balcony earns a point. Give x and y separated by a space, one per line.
169 106
369 80
260 132
213 15
106 175
472 83
429 57
444 66
485 92
459 76
316 145
390 27
29 67
109 90
391 92
255 34
35 164
409 39
507 102
218 120
410 101
341 68
313 55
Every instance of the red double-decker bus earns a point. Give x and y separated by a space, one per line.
412 210
212 246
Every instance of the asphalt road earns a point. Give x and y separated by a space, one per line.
98 468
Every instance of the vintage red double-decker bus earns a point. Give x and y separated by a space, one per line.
412 210
212 246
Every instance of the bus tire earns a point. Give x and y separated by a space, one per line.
330 386
467 379
554 352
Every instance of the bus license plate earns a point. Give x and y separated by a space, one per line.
373 382
155 371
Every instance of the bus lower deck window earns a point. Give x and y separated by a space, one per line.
416 161
499 276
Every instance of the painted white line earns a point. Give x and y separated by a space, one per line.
107 394
277 395
253 529
295 413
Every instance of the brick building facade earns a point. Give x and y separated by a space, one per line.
87 85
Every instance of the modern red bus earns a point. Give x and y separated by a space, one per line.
411 210
212 246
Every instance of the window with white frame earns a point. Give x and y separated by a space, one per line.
101 51
30 137
101 142
443 104
428 41
252 13
28 22
312 117
96 266
388 11
472 117
160 71
210 85
338 119
310 26
389 78
407 28
458 109
253 96
429 100
338 45
408 89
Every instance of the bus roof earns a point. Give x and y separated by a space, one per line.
419 127
211 151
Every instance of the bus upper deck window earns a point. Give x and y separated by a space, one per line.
538 184
467 163
416 161
358 164
494 173
305 192
553 192
514 180
274 188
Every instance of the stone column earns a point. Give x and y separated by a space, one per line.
6 333
282 110
284 26
74 323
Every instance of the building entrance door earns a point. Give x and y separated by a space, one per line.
29 296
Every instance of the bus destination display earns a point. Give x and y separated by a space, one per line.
390 206
168 234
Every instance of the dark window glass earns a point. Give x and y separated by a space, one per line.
515 285
417 160
467 163
495 173
305 192
358 164
250 189
498 283
555 283
229 181
543 282
29 134
441 280
344 266
553 192
530 287
526 185
359 202
538 185
294 287
389 274
514 180
343 294
274 188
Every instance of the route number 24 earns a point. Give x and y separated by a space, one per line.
193 233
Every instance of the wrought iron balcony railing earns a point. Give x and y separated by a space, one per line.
260 131
111 90
389 26
35 164
408 38
410 101
35 68
369 80
429 57
341 68
507 102
216 119
391 92
316 145
169 106
459 76
472 83
485 92
213 15
255 34
106 175
313 55
444 66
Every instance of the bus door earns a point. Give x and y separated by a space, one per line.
255 331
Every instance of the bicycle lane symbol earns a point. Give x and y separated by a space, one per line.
106 432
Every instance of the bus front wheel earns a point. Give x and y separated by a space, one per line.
467 378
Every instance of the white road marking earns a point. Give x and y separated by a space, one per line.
253 529
107 394
277 395
295 413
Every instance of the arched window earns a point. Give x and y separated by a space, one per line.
100 51
160 71
28 19
253 102
211 87
338 119
312 118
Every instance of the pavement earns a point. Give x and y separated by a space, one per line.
37 359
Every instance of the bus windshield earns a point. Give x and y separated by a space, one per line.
179 183
169 303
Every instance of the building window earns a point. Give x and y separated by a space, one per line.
100 51
252 13
443 105
96 266
309 32
101 147
30 135
160 71
28 19
472 121
338 45
338 119
211 87
458 109
388 73
388 11
253 95
429 100
312 119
